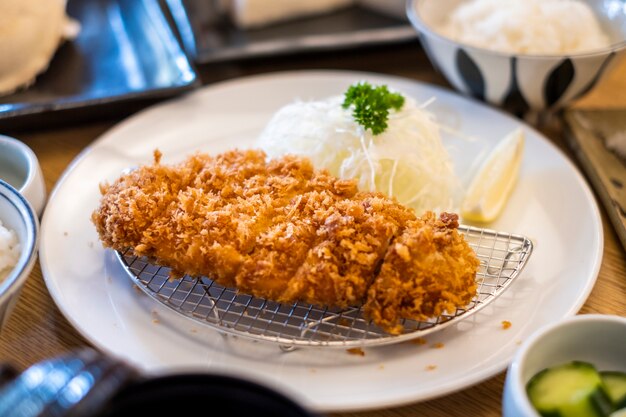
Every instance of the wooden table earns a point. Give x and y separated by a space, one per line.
37 330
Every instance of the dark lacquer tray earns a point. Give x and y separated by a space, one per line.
125 54
208 37
593 135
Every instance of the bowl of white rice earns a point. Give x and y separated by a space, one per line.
522 55
19 237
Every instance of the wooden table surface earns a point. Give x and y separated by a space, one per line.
37 330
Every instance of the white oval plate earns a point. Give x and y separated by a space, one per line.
551 204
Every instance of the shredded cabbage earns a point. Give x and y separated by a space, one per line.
407 161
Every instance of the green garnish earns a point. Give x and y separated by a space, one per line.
371 105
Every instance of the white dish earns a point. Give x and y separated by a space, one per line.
597 339
19 167
17 214
551 204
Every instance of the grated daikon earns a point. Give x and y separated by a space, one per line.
407 161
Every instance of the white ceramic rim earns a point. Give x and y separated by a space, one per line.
13 282
58 289
31 158
520 357
421 26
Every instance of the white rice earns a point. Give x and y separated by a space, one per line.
526 26
9 251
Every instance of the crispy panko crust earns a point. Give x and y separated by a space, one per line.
284 231
428 270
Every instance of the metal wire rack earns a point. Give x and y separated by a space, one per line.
502 258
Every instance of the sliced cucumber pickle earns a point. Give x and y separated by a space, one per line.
574 389
615 385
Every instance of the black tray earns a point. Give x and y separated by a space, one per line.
588 133
125 56
208 37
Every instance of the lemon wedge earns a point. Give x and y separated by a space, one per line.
491 187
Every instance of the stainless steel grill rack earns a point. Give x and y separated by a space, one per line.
502 257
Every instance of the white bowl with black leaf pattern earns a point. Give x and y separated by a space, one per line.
18 248
518 82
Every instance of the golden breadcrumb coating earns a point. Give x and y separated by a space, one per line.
428 270
284 231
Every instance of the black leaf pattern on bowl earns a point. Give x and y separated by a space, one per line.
470 74
596 78
558 81
515 101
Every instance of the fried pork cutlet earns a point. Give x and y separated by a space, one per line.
428 270
284 231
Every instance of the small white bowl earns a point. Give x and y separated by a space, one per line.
19 167
519 83
17 214
594 338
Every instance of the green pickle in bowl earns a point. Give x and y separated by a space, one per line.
578 389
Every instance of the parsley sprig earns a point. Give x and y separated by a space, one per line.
371 105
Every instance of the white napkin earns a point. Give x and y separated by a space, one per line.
30 33
248 14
